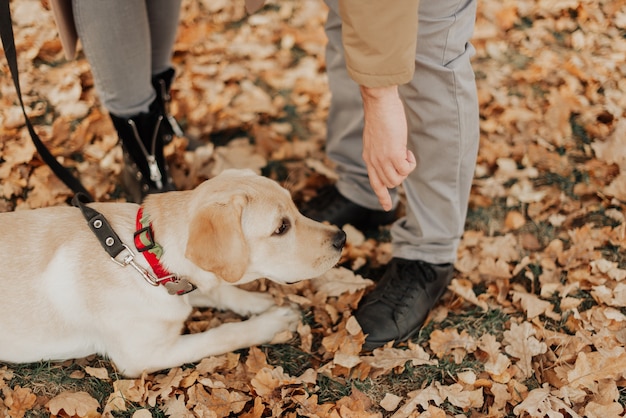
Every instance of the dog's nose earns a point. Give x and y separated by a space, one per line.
339 240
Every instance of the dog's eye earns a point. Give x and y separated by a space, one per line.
283 228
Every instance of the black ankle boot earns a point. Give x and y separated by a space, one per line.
162 84
145 170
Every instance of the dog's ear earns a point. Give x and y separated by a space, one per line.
216 241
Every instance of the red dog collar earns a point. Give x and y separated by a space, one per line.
152 251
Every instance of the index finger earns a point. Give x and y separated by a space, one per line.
381 192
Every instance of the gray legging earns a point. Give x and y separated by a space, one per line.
127 42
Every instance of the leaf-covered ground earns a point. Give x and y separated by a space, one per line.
534 323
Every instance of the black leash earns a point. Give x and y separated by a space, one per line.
8 43
101 228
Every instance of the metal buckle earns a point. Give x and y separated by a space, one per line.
129 260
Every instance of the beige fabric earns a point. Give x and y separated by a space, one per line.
62 11
379 40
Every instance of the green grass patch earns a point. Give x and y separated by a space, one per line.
614 253
156 412
293 360
597 219
331 390
49 379
489 219
474 320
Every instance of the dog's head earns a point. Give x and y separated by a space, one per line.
244 226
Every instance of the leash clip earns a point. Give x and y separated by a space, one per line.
128 259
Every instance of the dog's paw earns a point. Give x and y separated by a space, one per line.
257 303
279 322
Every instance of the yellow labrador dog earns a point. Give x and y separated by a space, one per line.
62 296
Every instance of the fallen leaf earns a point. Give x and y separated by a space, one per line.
98 372
390 402
591 368
164 385
540 403
340 280
458 396
19 401
74 404
521 343
443 342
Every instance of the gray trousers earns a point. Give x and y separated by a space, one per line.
126 42
442 112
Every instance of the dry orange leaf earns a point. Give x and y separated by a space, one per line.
19 401
591 368
77 404
521 344
449 341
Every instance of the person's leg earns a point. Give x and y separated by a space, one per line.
115 36
442 113
163 20
351 199
117 41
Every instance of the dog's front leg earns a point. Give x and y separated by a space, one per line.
232 298
260 329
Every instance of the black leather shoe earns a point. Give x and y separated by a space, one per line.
397 307
330 205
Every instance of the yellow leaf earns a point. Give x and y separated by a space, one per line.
498 269
74 404
501 397
165 384
267 380
444 342
209 365
521 343
346 360
19 401
590 368
514 220
175 407
357 405
100 372
340 280
390 402
421 398
534 306
458 396
465 289
142 413
388 358
611 410
540 403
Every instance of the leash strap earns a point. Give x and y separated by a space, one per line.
8 43
99 225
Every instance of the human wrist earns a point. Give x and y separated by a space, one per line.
379 93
